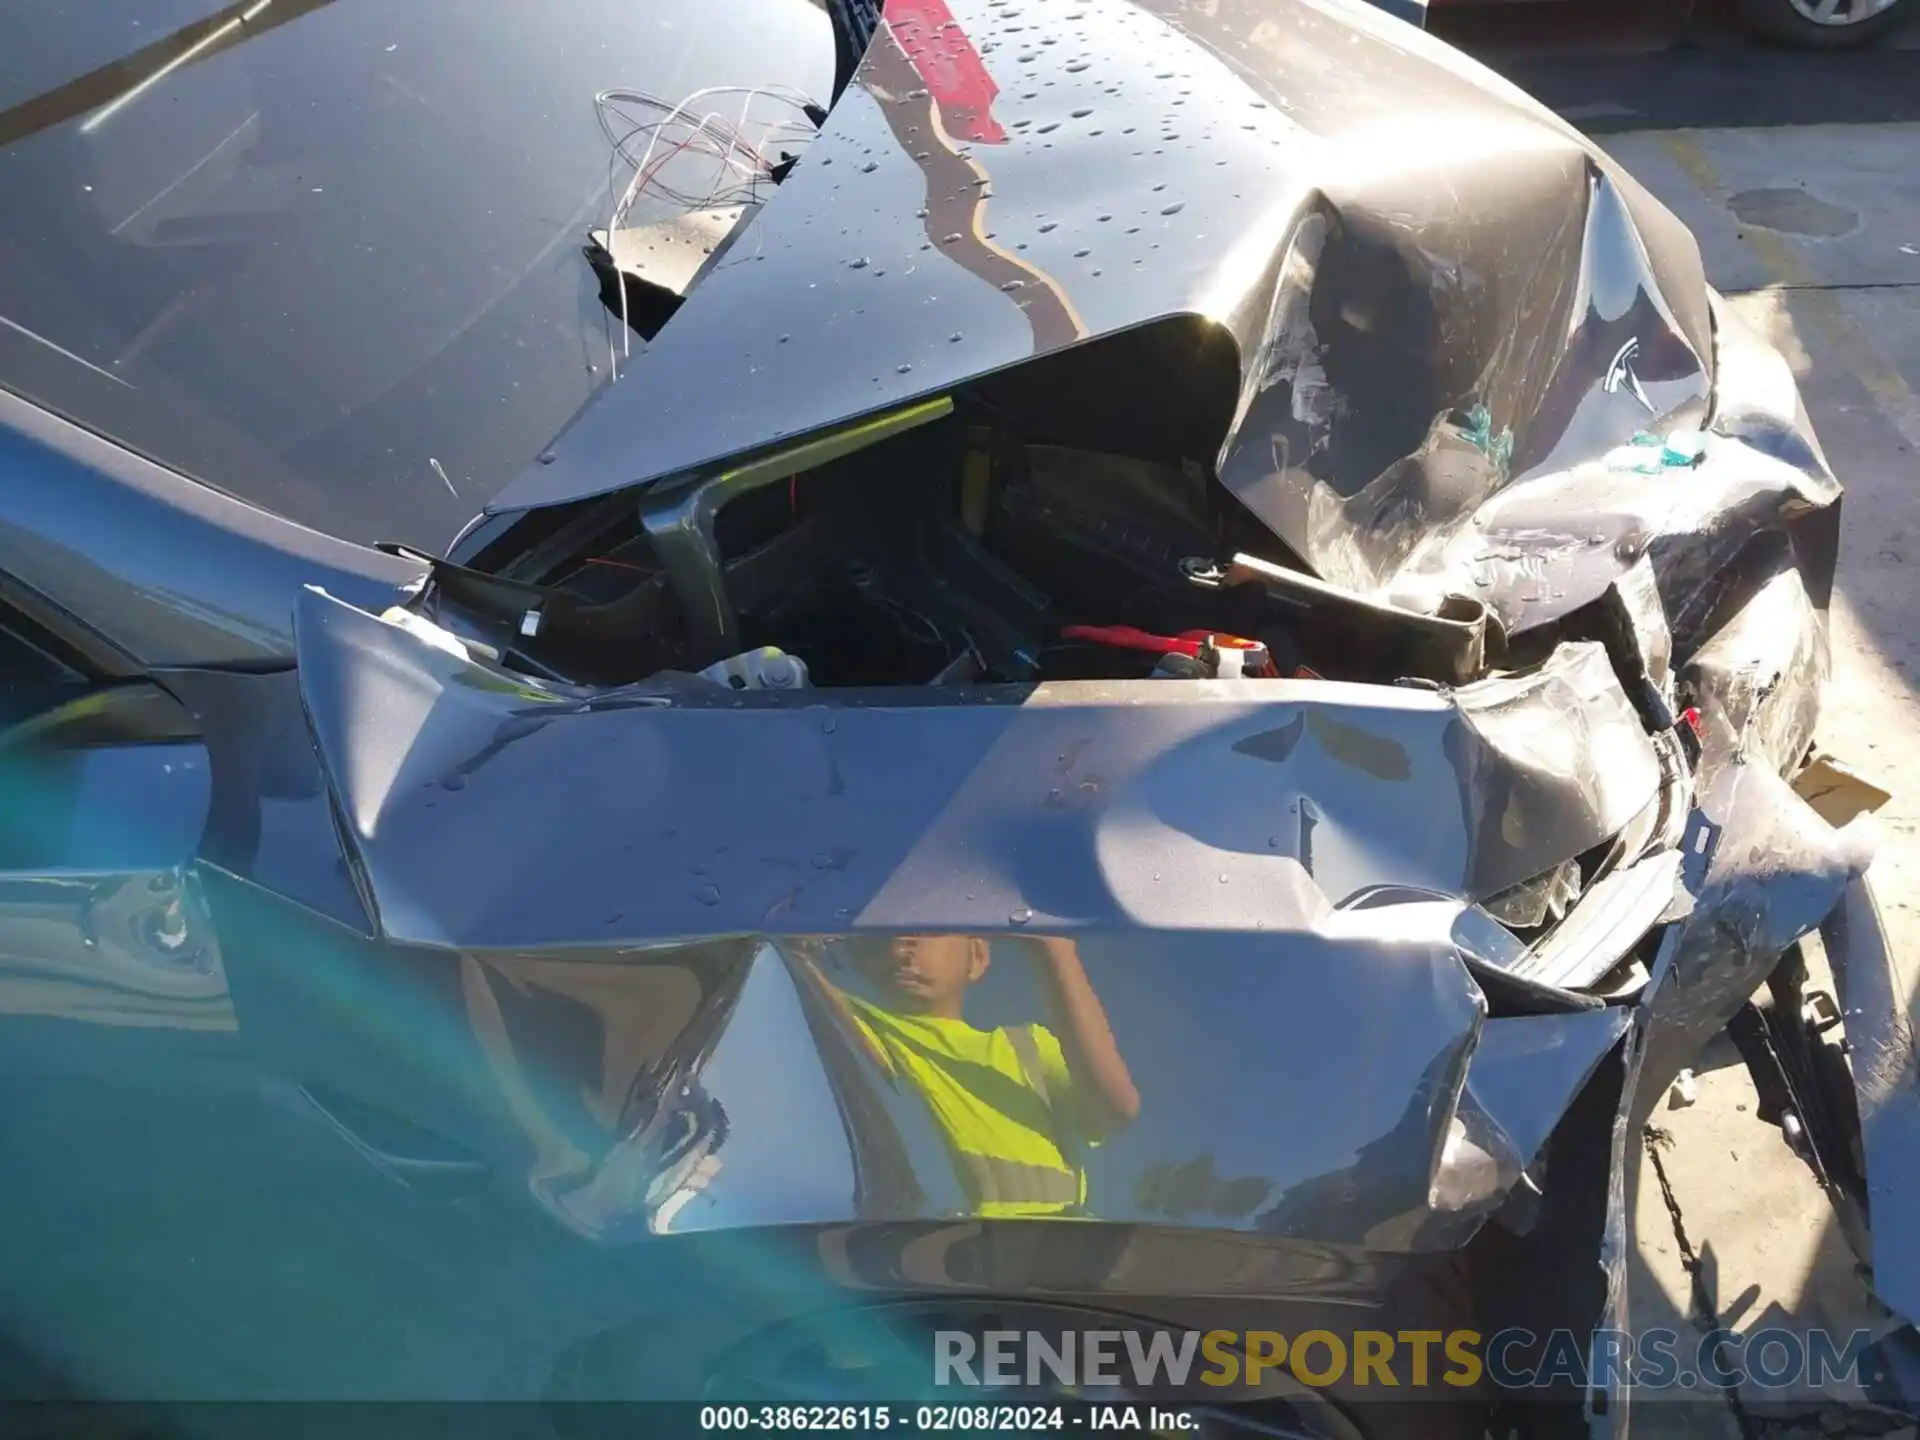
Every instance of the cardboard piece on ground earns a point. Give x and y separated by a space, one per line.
1836 793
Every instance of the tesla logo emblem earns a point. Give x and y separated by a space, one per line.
1620 373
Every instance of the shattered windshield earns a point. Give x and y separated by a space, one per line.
327 254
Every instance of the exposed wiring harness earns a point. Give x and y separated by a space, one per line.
693 160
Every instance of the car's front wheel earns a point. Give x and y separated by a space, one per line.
1824 24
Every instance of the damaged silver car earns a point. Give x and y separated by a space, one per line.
1158 686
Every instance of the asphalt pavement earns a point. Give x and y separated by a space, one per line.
1800 175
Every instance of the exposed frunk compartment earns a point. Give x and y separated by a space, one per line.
1052 523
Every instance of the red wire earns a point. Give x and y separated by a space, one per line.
1128 637
654 168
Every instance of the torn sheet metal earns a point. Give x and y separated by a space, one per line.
1633 626
1140 803
1584 445
1138 835
1415 417
1560 539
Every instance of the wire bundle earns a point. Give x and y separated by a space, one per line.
694 162
735 165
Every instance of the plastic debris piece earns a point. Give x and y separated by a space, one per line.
1635 459
1649 454
1684 447
1230 658
1478 432
1685 1091
768 668
1538 900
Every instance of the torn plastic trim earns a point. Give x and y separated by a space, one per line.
1757 682
1878 991
1604 926
1759 870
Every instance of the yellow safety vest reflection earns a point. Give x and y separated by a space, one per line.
1001 1111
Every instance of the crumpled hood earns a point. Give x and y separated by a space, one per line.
1239 878
681 808
1432 285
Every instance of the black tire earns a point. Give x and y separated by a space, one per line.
1778 21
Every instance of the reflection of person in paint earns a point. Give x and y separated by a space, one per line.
1017 1104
